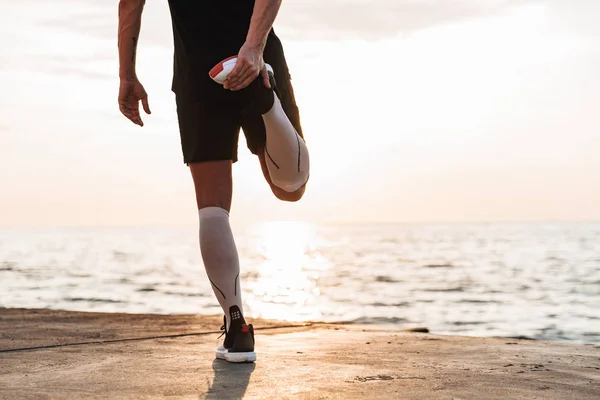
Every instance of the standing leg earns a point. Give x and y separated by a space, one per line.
209 131
213 184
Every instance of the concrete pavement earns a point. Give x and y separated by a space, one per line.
58 354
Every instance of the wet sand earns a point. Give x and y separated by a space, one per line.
60 354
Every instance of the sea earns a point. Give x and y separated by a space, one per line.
535 280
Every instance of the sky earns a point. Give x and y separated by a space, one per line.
413 110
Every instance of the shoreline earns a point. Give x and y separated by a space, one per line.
48 353
416 328
170 324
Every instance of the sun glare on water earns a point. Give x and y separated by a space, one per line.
284 284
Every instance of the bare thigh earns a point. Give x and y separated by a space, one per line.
213 183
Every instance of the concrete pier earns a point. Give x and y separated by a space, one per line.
60 354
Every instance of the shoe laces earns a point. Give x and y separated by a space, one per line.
223 328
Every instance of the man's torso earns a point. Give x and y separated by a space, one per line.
206 32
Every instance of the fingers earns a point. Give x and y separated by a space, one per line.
265 76
240 65
135 117
133 114
243 79
130 94
242 75
238 73
243 84
146 105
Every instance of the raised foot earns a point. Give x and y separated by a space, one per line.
221 71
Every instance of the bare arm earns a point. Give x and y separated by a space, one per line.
130 21
131 90
263 17
250 58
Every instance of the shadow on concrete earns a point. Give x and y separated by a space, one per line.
230 380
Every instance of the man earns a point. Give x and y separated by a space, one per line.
210 116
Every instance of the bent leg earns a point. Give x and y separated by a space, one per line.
285 152
272 126
280 193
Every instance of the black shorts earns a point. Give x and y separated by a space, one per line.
210 117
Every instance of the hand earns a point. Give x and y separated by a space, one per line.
249 65
131 92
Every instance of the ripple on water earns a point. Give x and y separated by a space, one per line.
591 334
464 323
7 266
78 275
187 294
386 279
92 300
146 289
438 266
379 320
379 304
445 290
477 301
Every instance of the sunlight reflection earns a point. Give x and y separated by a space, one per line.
285 286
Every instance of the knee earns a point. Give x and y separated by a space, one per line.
288 196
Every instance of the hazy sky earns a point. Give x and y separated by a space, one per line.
431 110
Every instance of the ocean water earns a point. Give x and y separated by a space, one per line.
540 281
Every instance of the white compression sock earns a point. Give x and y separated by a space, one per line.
286 153
220 257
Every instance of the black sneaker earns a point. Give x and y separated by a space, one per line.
259 98
238 345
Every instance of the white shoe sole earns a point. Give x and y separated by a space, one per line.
224 354
221 71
